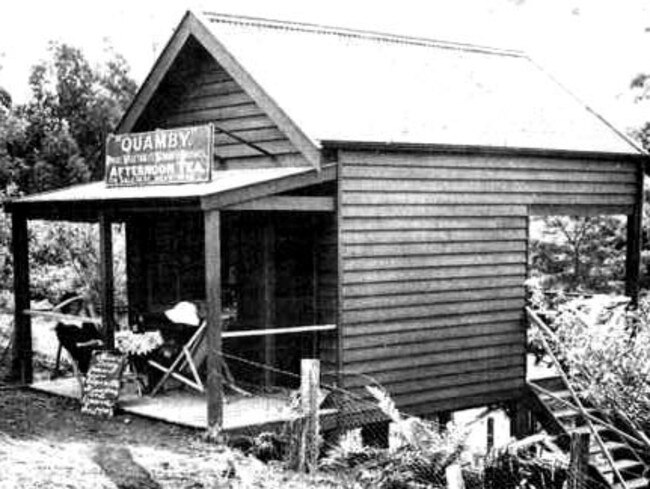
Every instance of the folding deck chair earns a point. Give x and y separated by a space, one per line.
185 367
185 359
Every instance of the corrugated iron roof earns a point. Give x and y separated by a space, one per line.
222 181
345 85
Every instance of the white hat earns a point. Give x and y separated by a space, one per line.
183 312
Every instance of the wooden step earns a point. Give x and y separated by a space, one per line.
626 464
586 429
565 413
550 383
568 412
623 466
561 394
638 483
556 404
610 445
570 418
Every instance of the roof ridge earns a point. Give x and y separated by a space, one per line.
354 33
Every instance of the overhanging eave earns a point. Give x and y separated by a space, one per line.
86 202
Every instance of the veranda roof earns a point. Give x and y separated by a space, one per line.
226 187
222 181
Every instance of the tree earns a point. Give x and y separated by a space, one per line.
56 138
5 100
640 85
12 133
580 254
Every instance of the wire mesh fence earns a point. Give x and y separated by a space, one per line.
369 442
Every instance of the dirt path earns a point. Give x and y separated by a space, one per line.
45 442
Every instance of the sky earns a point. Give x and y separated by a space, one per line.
593 47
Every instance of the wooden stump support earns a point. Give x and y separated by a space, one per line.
309 439
579 461
490 434
106 278
214 385
633 246
22 368
521 422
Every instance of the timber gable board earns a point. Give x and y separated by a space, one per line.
197 90
188 86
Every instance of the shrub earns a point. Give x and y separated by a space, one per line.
605 350
534 463
63 258
6 300
421 454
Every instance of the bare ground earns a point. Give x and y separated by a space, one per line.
45 442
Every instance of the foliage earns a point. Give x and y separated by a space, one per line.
640 86
420 434
419 458
132 343
56 138
605 350
423 451
266 446
532 463
5 99
543 301
6 263
403 468
580 254
63 258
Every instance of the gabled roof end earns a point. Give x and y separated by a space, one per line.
192 25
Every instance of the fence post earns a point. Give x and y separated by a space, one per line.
579 460
454 475
309 388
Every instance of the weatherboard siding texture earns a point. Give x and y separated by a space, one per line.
325 249
197 90
433 252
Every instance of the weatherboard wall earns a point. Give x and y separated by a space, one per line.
197 90
433 253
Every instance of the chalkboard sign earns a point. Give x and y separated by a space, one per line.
102 383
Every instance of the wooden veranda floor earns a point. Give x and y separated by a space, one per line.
241 413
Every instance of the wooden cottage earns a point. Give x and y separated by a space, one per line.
375 188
